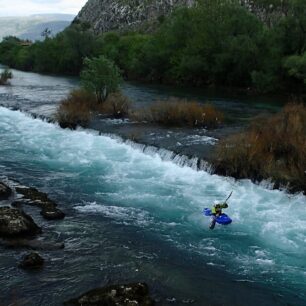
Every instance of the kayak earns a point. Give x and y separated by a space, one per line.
223 219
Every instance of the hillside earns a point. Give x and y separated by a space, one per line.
30 27
107 15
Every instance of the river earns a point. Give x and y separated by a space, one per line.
132 216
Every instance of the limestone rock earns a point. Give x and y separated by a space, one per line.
15 223
108 15
122 15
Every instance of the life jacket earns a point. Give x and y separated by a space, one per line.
217 209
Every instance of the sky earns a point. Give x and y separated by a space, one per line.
30 7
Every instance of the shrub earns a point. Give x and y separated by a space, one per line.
116 105
5 76
180 113
75 109
272 147
101 77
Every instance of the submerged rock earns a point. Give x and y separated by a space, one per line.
40 199
32 261
5 191
129 295
15 223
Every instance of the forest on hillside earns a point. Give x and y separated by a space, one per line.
214 43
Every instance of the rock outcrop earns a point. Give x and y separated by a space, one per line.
15 223
124 295
107 15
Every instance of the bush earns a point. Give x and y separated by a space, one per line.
116 105
101 77
75 109
5 76
272 147
180 113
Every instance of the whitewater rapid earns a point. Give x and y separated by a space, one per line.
266 242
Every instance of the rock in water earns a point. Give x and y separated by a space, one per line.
34 197
32 261
123 295
15 223
5 191
52 214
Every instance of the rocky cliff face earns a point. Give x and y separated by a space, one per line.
107 15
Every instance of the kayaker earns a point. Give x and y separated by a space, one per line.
216 211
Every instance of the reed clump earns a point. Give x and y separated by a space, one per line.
80 105
175 112
76 109
271 148
116 105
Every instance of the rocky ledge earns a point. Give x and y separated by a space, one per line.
136 294
33 197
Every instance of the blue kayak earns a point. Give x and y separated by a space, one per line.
224 219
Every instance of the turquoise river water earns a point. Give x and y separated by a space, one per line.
132 216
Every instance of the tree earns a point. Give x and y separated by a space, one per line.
100 76
46 33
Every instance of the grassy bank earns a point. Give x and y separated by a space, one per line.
271 148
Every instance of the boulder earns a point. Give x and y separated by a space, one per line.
123 295
5 191
52 214
15 223
32 261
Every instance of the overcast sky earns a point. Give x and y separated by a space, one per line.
29 7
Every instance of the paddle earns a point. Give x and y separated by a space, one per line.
228 197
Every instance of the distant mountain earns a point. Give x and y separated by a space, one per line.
30 27
34 32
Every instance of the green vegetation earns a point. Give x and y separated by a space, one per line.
272 147
5 76
101 77
214 43
63 54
